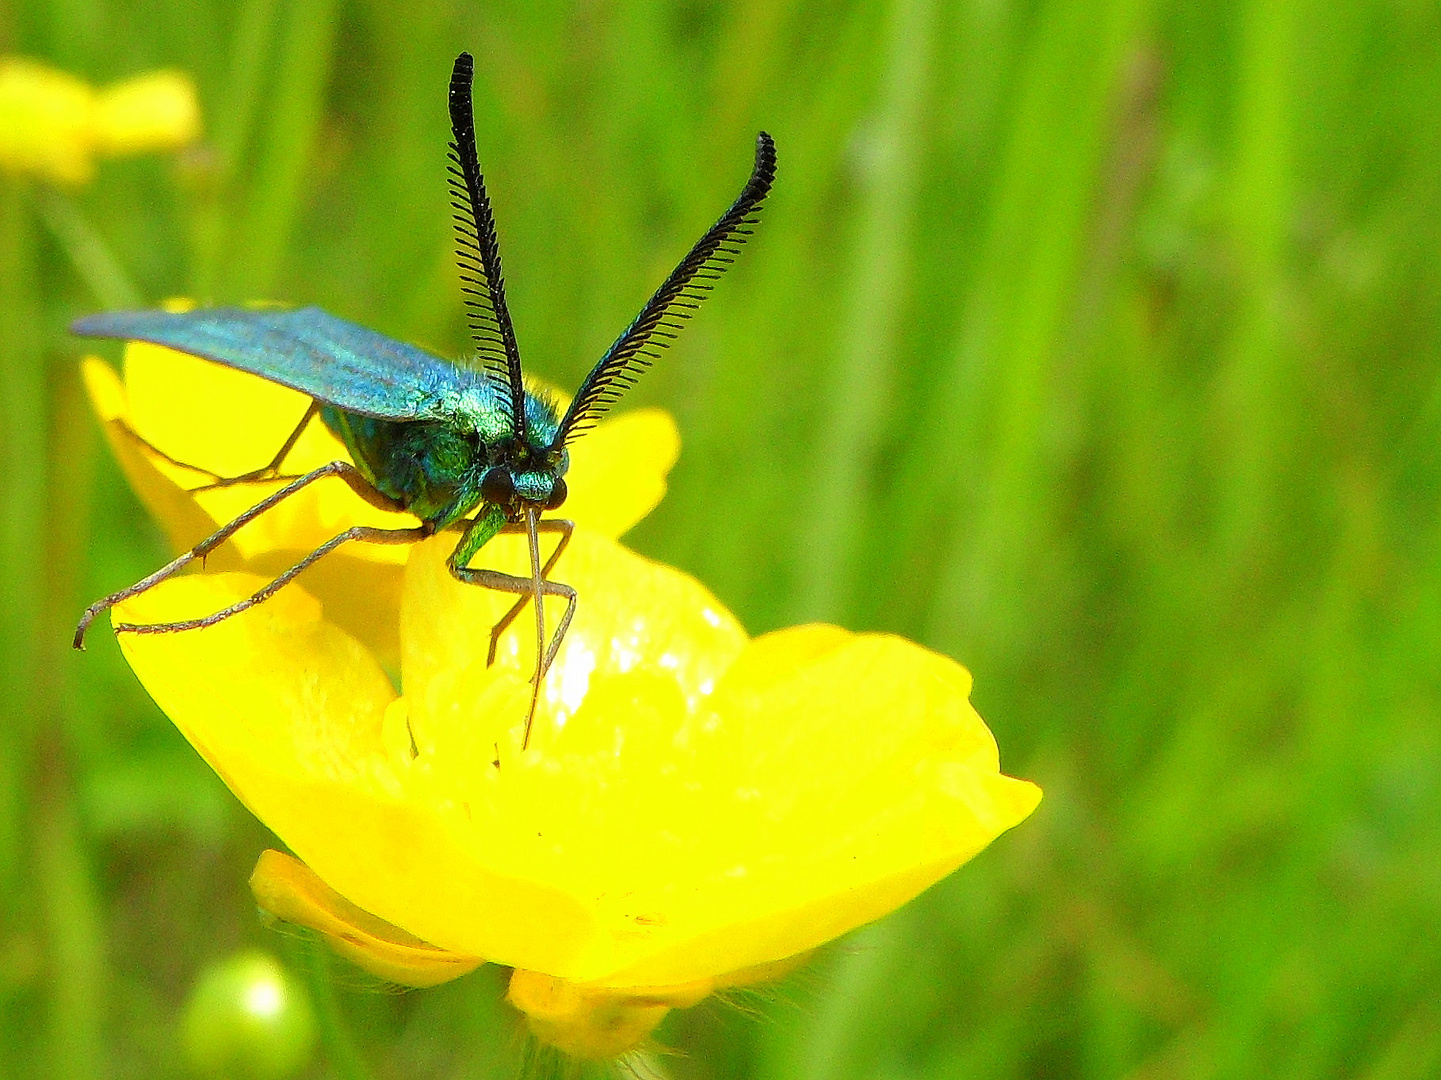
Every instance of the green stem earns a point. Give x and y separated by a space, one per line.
88 252
335 1036
284 162
74 930
34 755
22 493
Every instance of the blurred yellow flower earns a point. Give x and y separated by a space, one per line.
53 125
154 111
695 810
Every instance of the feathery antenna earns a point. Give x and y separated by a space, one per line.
478 252
675 301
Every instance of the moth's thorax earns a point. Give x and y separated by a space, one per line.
475 408
477 405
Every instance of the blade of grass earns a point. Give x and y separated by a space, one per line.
983 449
286 152
860 383
232 125
22 494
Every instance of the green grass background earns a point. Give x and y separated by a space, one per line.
1092 342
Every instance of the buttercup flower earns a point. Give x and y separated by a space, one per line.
695 810
53 125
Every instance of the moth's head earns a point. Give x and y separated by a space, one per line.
524 476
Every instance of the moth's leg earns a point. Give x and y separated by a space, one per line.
368 533
272 470
140 440
564 527
268 472
343 469
476 536
508 583
494 579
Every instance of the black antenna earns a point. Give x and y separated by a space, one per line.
664 314
478 252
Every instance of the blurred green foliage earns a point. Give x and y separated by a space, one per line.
1093 342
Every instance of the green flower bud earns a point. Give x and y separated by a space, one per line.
248 1019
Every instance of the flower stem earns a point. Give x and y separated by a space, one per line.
335 1036
22 494
88 252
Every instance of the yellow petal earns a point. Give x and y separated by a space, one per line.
290 890
156 111
302 724
464 717
229 423
159 484
594 1024
633 617
212 416
361 593
868 775
47 122
589 1023
618 470
827 779
272 698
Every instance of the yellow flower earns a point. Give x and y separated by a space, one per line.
695 810
155 111
53 125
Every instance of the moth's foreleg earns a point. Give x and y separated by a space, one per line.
509 583
343 469
564 527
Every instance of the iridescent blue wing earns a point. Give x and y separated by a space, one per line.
332 360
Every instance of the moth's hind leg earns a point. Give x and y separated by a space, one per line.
564 527
140 440
343 469
270 471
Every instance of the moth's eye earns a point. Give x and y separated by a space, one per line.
557 495
497 486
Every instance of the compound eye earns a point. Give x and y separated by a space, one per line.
557 495
498 486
